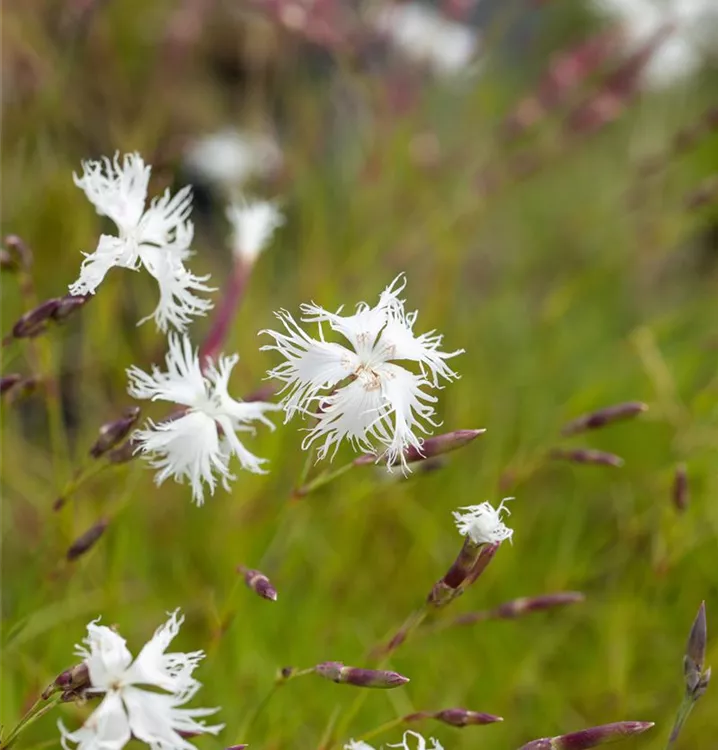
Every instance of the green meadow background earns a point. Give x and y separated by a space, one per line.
584 284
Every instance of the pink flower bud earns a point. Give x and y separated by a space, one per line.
368 678
258 582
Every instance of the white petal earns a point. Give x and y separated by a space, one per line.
420 742
252 227
182 383
362 328
107 728
348 413
483 524
156 719
153 666
188 447
111 251
311 365
167 220
117 190
105 653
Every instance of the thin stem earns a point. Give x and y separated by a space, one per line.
386 726
683 712
34 713
322 480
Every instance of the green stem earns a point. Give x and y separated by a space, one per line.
683 712
322 480
381 729
35 712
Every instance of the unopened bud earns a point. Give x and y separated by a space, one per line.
588 738
680 491
72 680
455 717
68 304
603 417
7 382
587 456
524 605
368 678
258 582
111 433
237 747
431 447
33 323
694 661
7 262
88 540
21 253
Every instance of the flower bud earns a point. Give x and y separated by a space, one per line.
587 738
603 417
68 304
87 541
123 453
519 607
369 678
587 456
7 262
694 660
681 491
19 252
72 680
258 582
33 323
455 717
111 433
431 447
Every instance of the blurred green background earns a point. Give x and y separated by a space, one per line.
574 278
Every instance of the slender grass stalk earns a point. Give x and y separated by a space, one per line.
38 709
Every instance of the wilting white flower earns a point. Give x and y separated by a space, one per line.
199 443
483 524
372 400
127 708
422 34
157 237
692 28
420 743
252 227
230 157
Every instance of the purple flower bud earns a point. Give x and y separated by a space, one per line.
587 456
33 323
72 680
587 738
123 453
524 605
368 678
694 660
681 491
88 540
19 249
455 717
258 582
111 433
67 305
603 417
431 447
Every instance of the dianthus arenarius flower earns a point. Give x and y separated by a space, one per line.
200 442
127 709
357 391
404 744
157 237
482 523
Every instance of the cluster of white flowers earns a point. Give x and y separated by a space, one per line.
691 25
358 392
404 744
128 709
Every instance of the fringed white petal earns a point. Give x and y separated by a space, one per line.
110 252
252 227
105 653
420 742
107 728
483 524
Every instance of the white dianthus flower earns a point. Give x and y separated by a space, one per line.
483 524
128 709
157 237
198 444
252 227
420 743
372 400
422 34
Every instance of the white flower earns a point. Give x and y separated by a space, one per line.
424 35
371 399
200 443
692 27
127 710
252 227
420 743
157 237
483 524
230 157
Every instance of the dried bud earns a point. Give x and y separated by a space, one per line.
68 304
111 433
33 323
431 447
603 417
681 492
587 456
21 252
368 678
455 717
88 540
258 582
587 738
123 453
7 382
72 680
